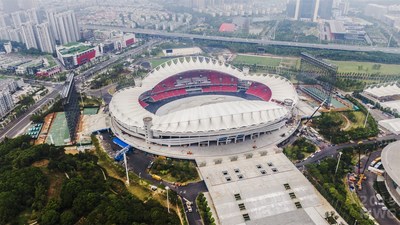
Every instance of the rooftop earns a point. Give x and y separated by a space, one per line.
390 160
74 47
384 90
263 186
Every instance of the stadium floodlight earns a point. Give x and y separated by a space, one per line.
124 151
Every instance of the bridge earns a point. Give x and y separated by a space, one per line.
165 34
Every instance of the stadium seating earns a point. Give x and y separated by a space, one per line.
260 90
143 104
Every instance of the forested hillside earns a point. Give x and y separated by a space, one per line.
41 183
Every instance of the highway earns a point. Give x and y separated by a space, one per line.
88 73
333 150
248 41
17 125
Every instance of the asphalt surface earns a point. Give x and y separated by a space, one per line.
333 150
138 163
91 71
368 196
17 125
248 41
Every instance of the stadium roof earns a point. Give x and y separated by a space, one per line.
221 116
393 125
390 160
125 106
383 90
268 188
393 105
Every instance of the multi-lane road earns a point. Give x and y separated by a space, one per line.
17 126
333 150
247 41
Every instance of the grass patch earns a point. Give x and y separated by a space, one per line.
356 119
300 149
259 60
174 170
366 67
157 62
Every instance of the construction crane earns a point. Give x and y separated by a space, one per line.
122 153
309 118
362 176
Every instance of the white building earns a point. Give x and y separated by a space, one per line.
15 35
16 19
6 103
64 26
31 15
28 36
44 38
7 47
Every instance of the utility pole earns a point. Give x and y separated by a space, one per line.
337 166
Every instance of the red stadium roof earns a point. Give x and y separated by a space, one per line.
227 27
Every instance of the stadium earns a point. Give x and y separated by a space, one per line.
202 102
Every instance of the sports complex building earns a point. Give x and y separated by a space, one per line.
198 101
390 159
230 123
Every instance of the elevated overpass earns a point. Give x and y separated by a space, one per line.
164 34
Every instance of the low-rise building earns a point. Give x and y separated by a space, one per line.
77 53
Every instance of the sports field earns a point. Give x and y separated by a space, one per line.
58 133
264 60
366 67
259 60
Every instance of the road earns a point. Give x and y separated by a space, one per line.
368 196
332 150
248 41
138 162
17 125
91 71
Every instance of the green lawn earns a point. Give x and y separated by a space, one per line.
157 62
366 67
260 60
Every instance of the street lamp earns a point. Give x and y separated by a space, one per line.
167 188
337 166
366 118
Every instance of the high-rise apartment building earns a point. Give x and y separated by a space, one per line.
64 26
6 103
44 39
16 19
325 9
15 34
303 9
28 36
31 16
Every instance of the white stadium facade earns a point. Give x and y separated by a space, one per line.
254 106
229 122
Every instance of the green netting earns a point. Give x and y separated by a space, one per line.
58 133
90 111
